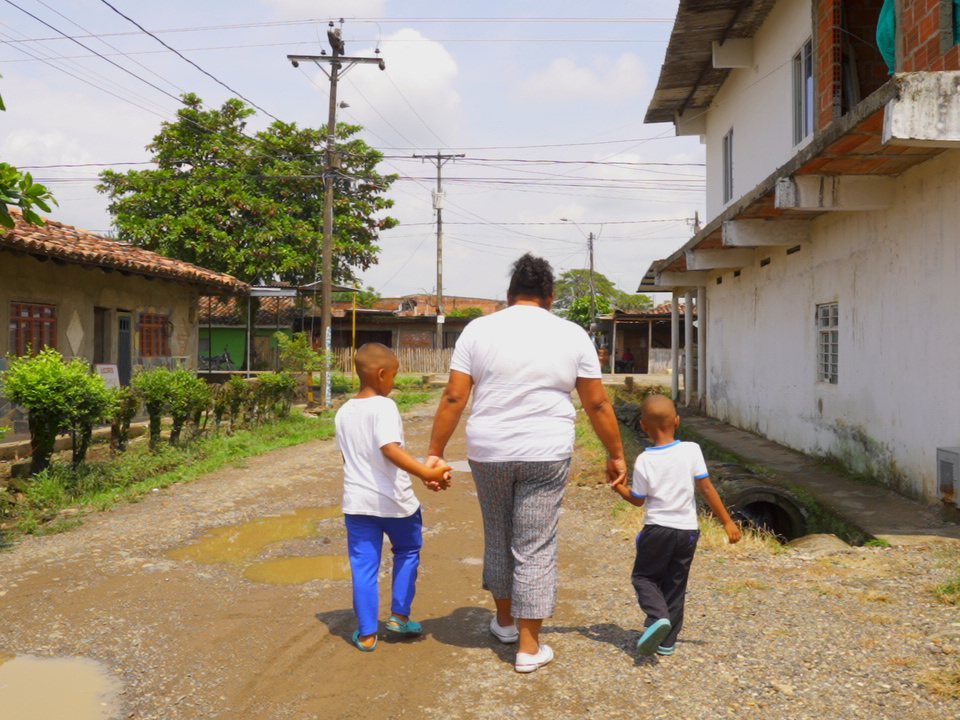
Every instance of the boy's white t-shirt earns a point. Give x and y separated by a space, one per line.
665 476
372 485
524 362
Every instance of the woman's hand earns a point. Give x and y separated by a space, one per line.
616 470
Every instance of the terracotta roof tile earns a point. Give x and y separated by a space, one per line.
73 245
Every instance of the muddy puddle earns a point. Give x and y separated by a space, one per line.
33 688
246 544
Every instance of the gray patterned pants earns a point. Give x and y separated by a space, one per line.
520 502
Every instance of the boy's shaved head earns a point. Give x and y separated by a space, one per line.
658 411
372 357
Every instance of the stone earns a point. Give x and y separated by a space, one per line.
821 545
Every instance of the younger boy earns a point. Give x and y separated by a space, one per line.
663 478
378 496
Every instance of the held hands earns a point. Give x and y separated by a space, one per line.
439 475
616 471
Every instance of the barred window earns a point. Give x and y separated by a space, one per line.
154 335
828 342
33 327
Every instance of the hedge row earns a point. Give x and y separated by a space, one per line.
66 397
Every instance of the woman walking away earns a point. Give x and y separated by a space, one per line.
522 363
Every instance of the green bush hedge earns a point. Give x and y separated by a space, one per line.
67 397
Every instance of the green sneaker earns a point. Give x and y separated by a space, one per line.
653 636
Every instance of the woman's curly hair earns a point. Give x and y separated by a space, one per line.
532 277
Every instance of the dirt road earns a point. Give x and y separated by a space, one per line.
772 636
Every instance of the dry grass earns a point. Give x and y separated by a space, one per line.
712 534
942 681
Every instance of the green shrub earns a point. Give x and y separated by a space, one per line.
296 353
467 312
153 387
236 396
188 397
58 397
277 392
90 403
126 403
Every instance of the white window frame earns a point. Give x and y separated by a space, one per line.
803 93
828 343
726 150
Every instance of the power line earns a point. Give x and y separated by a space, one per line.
389 21
112 47
186 59
90 49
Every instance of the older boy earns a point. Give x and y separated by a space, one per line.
664 477
378 496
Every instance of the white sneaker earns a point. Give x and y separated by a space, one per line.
527 663
508 634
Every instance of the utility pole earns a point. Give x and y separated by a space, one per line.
441 160
593 287
339 66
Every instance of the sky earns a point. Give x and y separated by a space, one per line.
546 105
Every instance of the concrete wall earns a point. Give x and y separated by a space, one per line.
893 274
757 103
76 292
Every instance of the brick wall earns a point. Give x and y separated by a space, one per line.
926 33
828 68
926 40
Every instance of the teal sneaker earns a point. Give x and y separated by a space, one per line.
653 636
666 650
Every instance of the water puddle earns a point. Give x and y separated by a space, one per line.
242 545
460 465
56 689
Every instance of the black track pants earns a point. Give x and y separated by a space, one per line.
660 572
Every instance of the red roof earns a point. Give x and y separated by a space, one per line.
76 246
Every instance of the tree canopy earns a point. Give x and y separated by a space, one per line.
19 190
251 206
579 310
573 285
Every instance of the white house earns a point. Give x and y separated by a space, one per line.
827 277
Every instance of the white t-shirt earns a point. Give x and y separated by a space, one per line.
665 476
524 362
372 485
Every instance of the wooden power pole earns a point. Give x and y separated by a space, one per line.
339 64
440 160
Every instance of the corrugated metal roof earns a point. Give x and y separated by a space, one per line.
688 80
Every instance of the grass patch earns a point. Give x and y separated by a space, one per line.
942 681
948 592
100 484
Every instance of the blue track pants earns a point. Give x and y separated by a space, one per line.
365 545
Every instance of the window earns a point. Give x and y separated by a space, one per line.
803 93
154 335
727 164
827 342
33 327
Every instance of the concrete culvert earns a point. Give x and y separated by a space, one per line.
764 507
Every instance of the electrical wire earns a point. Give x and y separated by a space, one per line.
186 59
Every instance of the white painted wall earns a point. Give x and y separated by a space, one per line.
894 274
757 103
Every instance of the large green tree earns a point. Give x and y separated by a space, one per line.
573 285
18 189
251 206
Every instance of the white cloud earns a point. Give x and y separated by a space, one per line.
328 8
47 125
615 82
413 102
